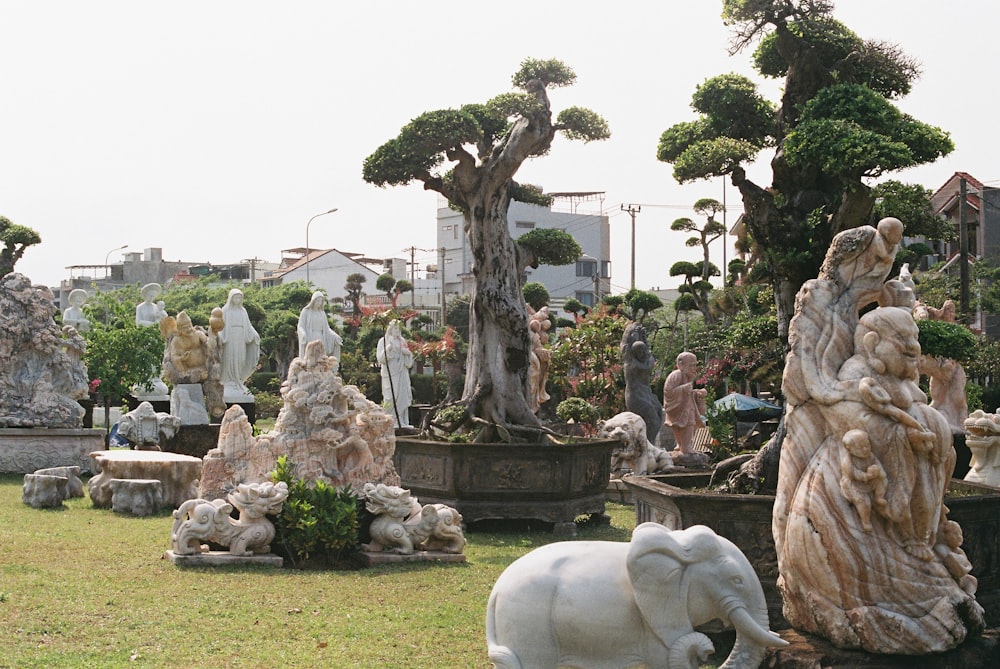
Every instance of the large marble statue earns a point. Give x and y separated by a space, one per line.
982 436
314 325
192 362
240 348
617 604
866 555
683 404
147 314
41 372
328 430
73 315
539 356
396 360
638 365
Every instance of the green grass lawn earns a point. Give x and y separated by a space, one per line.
86 587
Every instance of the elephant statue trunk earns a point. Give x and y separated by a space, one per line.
615 605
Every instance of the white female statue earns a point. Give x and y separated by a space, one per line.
73 315
147 314
240 348
313 326
396 360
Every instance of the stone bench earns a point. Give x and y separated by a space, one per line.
138 497
178 474
74 486
44 491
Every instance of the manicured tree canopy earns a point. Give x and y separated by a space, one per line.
470 156
15 239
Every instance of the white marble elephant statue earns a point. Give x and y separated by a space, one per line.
612 605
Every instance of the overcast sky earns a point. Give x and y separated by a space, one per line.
216 129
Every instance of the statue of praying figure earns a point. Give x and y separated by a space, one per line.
314 326
240 348
396 360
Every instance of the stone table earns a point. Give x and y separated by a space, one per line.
178 474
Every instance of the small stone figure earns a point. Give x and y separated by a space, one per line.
862 477
148 312
982 436
396 360
539 357
638 364
73 315
636 455
198 520
402 525
313 325
145 428
683 404
240 348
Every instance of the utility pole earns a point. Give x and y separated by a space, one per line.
963 245
444 311
413 271
253 267
632 210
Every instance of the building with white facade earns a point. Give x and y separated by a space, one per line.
587 280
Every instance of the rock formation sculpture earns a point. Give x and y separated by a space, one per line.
40 382
896 581
329 430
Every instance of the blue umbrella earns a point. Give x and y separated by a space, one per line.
748 408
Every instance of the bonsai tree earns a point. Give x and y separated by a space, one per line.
353 286
536 295
15 239
483 146
392 288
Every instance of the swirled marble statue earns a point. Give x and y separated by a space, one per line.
539 356
866 555
638 363
396 359
192 364
617 604
402 525
201 520
314 325
240 348
683 407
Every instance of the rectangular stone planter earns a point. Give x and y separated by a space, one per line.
26 449
674 501
551 483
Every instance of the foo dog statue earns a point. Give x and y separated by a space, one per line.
402 525
982 436
636 453
199 520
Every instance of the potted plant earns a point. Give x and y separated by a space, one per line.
471 155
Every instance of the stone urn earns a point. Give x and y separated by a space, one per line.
545 482
682 500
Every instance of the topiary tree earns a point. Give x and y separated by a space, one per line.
392 288
16 239
535 294
484 146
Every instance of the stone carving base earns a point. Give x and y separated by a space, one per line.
806 651
370 558
26 450
222 559
44 491
138 497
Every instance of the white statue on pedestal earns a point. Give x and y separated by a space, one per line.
147 314
240 348
396 360
314 325
73 315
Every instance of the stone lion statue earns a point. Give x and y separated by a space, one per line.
198 520
636 454
403 526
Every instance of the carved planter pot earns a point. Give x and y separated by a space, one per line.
674 501
550 483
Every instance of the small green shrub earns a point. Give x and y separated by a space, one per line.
721 423
267 404
942 339
318 522
578 410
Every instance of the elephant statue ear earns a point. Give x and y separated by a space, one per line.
655 562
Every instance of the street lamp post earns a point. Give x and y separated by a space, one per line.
107 267
308 252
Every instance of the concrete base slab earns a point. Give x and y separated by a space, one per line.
222 559
386 557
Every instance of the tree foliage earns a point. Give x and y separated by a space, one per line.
536 295
16 239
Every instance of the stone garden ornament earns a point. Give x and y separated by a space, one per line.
982 436
240 348
402 525
200 520
313 325
638 363
396 359
635 455
866 554
612 605
684 406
